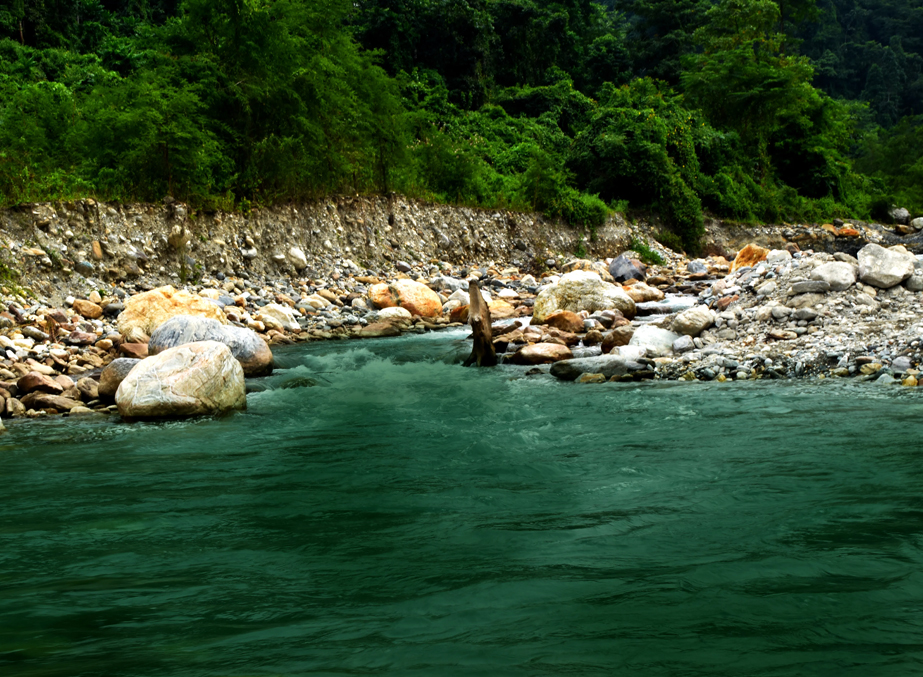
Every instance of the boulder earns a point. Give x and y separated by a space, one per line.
839 275
277 316
394 314
885 268
188 380
693 321
88 309
749 256
46 401
620 336
246 346
410 294
88 389
296 257
35 382
500 309
683 344
593 266
146 311
607 365
113 375
917 223
658 342
642 293
899 214
541 353
565 320
581 290
379 330
622 269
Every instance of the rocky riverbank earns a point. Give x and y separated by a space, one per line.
84 313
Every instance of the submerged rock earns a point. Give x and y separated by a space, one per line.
246 346
189 380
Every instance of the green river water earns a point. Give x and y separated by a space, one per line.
408 516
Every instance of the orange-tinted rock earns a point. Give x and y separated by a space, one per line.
749 256
846 231
136 350
459 314
564 337
641 292
725 301
565 320
500 309
410 294
146 311
88 309
97 251
542 353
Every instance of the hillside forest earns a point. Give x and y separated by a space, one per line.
750 110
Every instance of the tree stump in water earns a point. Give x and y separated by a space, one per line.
482 352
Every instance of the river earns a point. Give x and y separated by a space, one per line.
407 516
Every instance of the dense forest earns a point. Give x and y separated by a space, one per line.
745 109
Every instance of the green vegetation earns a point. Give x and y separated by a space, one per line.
645 253
745 109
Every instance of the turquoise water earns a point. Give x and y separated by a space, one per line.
408 516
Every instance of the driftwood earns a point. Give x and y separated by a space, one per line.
482 352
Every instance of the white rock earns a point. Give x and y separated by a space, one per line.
885 268
297 258
693 321
777 256
581 290
188 380
838 274
277 316
917 223
395 313
659 342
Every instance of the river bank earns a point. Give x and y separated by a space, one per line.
771 313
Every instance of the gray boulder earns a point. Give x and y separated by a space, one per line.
246 346
899 214
113 375
885 268
607 365
621 269
839 275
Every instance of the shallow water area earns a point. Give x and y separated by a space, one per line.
381 510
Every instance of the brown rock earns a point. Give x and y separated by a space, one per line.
137 351
749 256
591 378
64 381
564 337
541 353
500 309
80 338
593 337
620 336
410 294
379 330
565 320
46 401
35 382
782 335
15 408
88 309
97 251
725 301
89 389
459 314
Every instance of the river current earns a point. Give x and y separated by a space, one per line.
404 515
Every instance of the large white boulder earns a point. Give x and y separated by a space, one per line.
838 274
693 321
581 290
657 341
885 268
189 380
